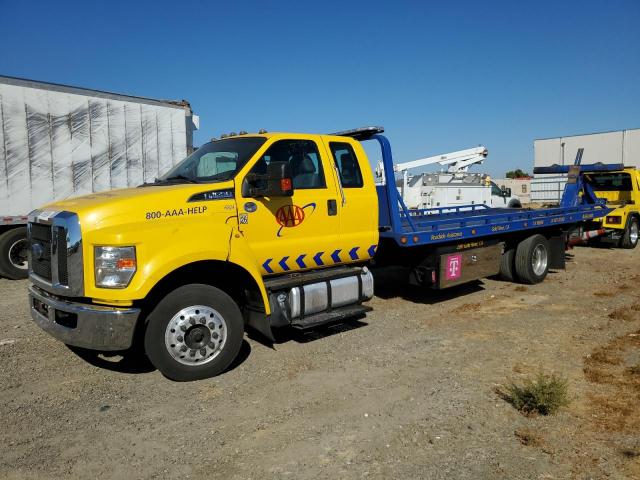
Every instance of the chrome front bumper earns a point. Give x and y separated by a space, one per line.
83 325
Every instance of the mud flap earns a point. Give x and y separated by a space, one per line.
557 247
261 323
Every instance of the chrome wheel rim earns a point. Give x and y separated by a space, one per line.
539 260
633 232
18 254
195 335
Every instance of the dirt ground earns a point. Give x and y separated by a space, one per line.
407 392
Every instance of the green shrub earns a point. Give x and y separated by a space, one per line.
543 395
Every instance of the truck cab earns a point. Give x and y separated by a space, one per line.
502 197
184 263
621 191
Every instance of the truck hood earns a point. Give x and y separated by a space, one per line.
132 205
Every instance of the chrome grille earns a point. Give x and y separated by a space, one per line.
41 242
55 253
63 273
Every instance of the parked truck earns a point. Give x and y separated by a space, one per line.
455 186
58 141
268 230
616 185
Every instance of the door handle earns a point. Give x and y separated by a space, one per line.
332 207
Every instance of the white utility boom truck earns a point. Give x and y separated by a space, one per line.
453 187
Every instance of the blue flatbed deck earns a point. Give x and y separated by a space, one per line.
410 227
424 227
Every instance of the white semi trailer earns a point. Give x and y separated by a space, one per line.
58 141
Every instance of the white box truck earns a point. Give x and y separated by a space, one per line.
58 141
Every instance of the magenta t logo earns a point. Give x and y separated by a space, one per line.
454 267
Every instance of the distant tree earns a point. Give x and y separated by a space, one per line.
517 173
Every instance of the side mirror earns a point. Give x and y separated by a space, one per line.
277 182
506 191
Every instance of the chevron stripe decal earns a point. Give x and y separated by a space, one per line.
303 260
283 264
266 266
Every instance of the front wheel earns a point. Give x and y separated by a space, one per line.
629 238
194 332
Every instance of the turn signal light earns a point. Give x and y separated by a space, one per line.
126 263
615 219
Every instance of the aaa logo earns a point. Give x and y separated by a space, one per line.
289 216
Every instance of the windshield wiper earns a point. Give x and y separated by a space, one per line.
177 178
169 180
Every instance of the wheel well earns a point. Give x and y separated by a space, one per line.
228 277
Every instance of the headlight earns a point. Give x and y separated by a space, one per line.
114 266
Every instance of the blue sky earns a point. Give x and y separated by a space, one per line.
439 76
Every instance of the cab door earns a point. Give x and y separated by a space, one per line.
288 234
358 203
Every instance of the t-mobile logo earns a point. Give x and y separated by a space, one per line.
454 267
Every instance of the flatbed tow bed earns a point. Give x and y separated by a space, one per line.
473 227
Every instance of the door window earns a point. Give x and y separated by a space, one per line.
303 157
345 158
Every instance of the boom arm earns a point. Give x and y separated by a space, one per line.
455 162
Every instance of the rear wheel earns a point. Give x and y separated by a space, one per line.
630 236
13 254
507 265
532 259
194 332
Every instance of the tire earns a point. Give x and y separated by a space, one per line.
514 204
507 265
13 254
629 238
204 324
532 259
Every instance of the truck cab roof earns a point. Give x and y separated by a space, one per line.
362 133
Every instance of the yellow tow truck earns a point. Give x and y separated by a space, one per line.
621 191
268 230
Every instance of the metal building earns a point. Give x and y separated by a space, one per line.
621 146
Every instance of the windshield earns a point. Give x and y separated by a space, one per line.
214 161
609 182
